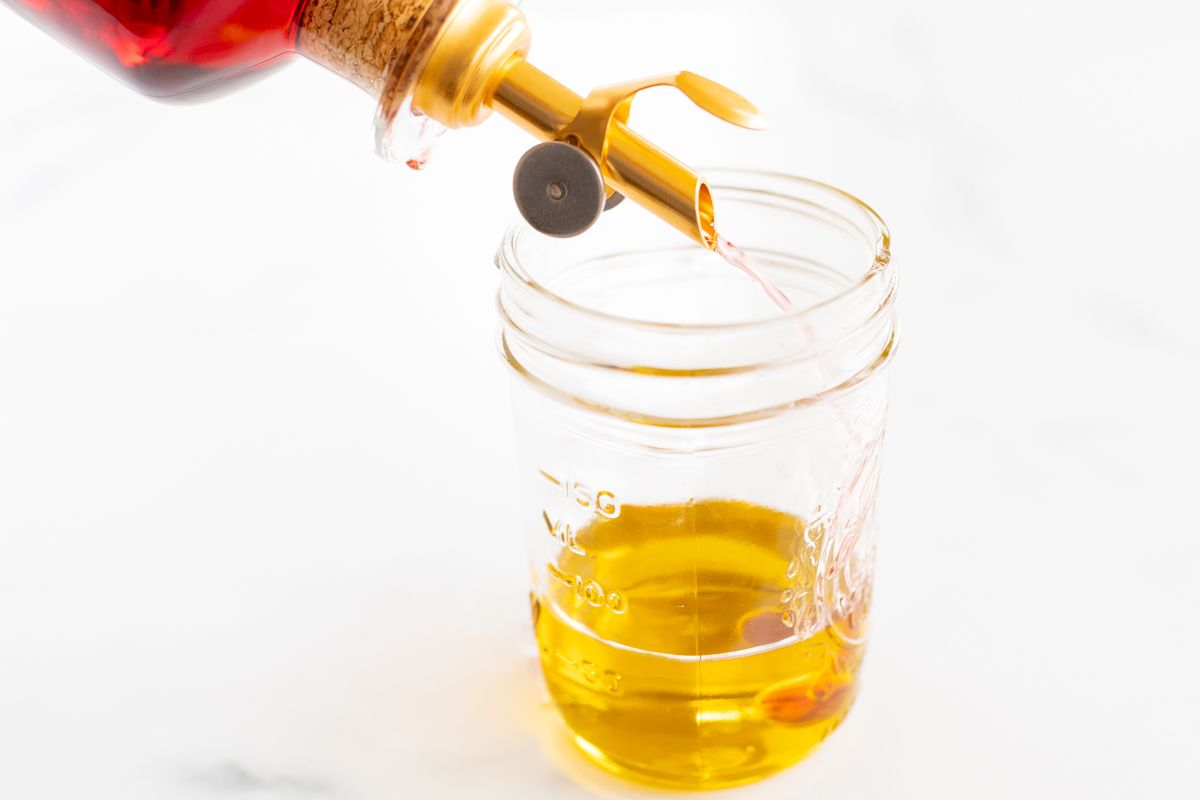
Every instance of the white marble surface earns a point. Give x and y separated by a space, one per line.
254 437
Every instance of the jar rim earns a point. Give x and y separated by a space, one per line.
509 261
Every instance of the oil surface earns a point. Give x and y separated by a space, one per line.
669 640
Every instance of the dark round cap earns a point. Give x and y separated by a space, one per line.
559 189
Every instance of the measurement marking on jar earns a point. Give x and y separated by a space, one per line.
562 532
603 503
589 591
560 576
585 671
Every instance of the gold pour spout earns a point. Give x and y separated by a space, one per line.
478 64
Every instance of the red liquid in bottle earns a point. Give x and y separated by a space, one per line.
166 47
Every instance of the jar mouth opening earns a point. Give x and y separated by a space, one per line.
748 184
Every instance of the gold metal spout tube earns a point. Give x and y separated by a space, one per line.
633 166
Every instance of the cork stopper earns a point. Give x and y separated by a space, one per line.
373 43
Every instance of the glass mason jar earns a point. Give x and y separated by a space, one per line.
699 475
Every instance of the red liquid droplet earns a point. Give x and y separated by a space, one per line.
804 704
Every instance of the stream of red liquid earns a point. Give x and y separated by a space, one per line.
737 258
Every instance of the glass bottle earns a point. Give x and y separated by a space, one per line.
170 47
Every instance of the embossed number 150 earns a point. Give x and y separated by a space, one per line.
603 502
